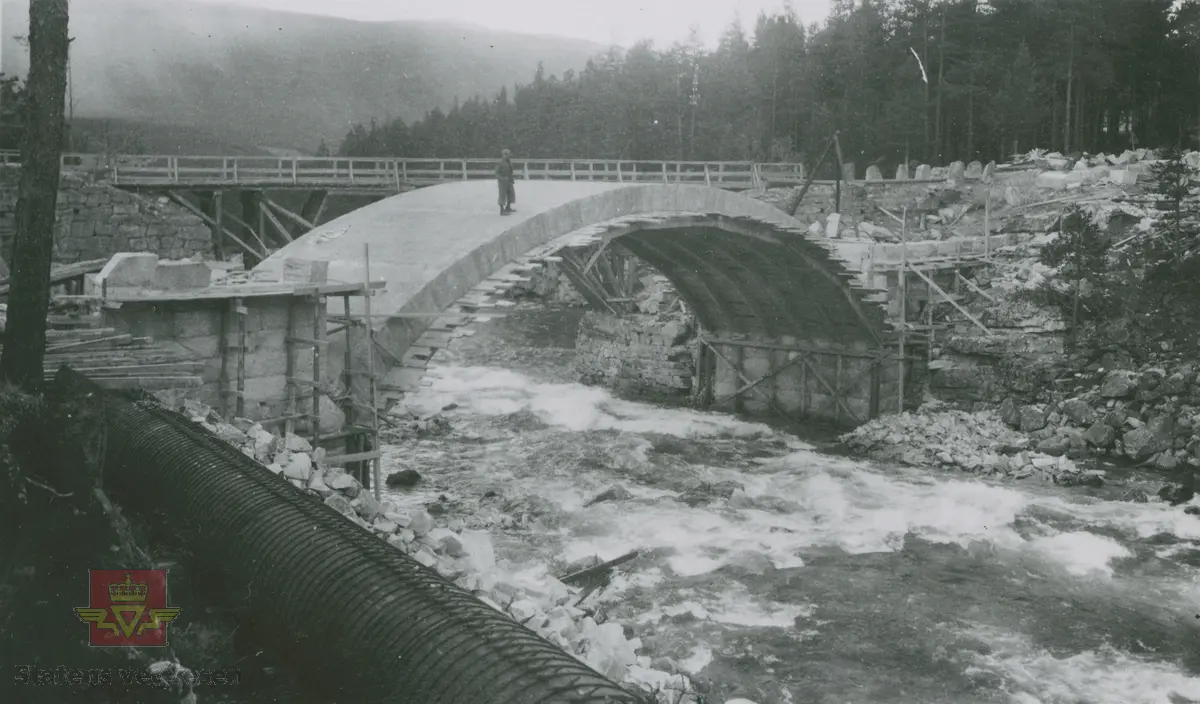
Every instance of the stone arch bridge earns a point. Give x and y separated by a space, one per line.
790 326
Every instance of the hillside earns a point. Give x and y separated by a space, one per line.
262 78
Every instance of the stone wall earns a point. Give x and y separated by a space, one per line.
642 355
95 220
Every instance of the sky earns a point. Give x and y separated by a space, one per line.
620 22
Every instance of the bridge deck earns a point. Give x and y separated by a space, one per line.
400 174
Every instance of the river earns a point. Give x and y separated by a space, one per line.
827 579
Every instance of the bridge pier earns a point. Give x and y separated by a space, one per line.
843 384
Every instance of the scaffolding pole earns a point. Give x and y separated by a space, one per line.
902 286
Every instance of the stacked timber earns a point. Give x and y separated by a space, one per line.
115 361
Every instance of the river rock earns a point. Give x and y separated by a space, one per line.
421 523
1054 446
230 434
343 482
316 484
1078 411
404 479
295 443
616 492
1100 434
383 525
299 467
1142 443
366 505
1174 385
446 541
1118 383
1010 412
340 504
264 444
1033 418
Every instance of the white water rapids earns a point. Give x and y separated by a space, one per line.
825 579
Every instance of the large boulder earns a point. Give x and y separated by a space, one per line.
1078 411
1119 383
1100 434
1033 418
1148 440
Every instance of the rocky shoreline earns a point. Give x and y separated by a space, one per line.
462 551
1148 417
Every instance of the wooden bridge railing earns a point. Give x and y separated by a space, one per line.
395 174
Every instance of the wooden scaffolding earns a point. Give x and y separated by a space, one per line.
309 330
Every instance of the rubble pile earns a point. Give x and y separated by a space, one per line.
969 441
458 552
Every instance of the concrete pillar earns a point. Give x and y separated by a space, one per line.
848 171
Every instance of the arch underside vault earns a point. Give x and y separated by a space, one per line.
743 275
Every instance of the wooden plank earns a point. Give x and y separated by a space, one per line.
114 340
152 383
60 273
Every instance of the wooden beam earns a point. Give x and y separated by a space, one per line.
751 385
930 282
198 213
837 398
288 214
266 211
586 289
971 285
775 372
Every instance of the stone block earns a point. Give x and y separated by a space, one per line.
1055 180
129 269
873 173
181 275
924 172
956 171
305 271
902 172
1123 177
974 170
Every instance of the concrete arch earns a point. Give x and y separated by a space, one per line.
746 267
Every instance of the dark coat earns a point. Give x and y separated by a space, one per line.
504 169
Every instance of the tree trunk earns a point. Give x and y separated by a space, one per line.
925 77
1070 76
937 132
37 197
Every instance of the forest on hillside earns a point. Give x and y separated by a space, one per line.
928 80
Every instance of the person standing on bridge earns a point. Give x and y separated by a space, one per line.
504 179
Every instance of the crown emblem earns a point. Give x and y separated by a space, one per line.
128 591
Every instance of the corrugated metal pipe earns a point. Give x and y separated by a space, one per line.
348 608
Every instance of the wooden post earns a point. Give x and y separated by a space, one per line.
318 338
572 169
618 170
352 444
739 360
987 227
902 287
289 425
374 401
837 198
240 310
